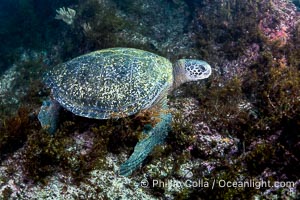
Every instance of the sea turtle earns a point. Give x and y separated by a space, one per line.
118 80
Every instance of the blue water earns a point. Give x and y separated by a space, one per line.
27 24
31 24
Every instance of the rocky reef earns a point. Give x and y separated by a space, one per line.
230 134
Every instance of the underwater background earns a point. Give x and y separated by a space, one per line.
241 125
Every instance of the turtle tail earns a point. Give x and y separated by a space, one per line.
156 136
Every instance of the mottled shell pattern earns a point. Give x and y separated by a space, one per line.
111 82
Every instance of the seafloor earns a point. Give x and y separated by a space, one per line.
235 135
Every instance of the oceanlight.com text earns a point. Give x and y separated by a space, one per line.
217 183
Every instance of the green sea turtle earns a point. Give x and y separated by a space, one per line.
118 80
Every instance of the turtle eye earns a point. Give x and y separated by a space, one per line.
202 68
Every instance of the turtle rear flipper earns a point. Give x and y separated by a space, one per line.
48 115
142 149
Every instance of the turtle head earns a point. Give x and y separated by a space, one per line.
186 70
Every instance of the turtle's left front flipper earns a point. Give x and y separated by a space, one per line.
156 136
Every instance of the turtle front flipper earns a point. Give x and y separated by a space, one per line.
48 115
156 136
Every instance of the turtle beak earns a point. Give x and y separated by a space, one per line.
207 72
